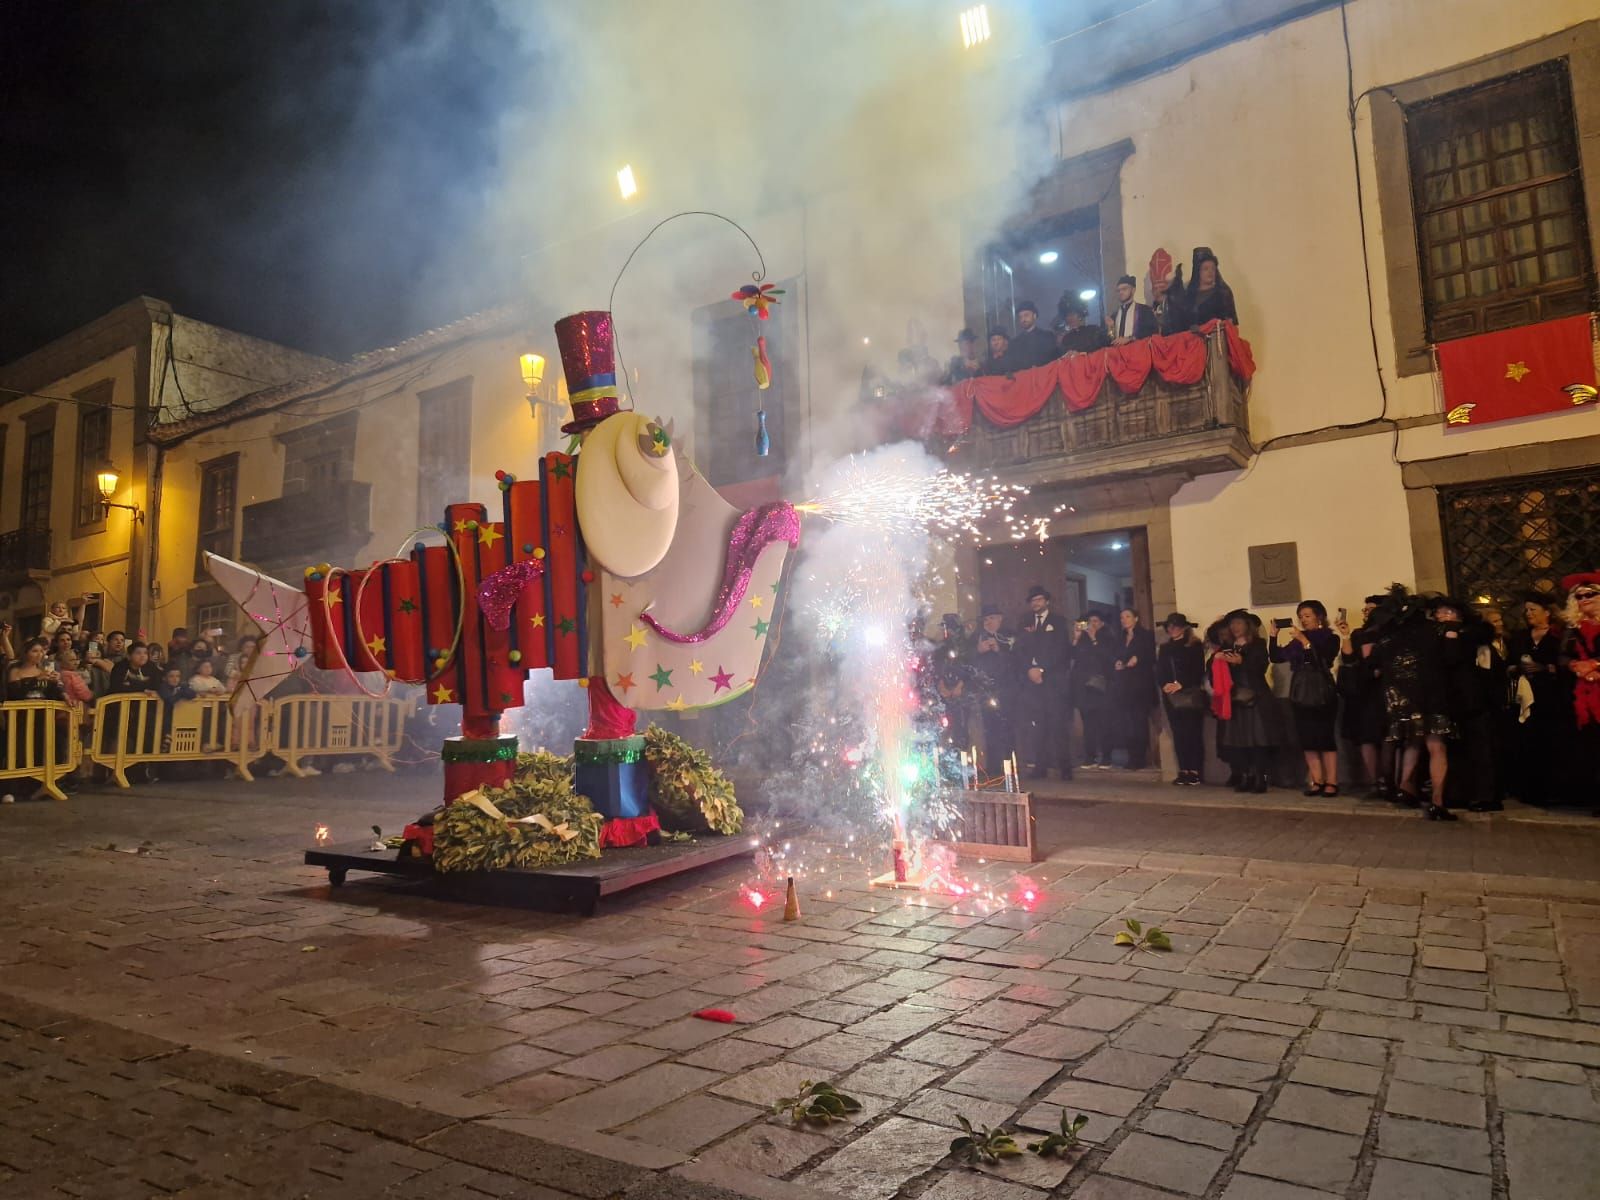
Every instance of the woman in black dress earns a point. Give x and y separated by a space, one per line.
1181 676
1313 699
1362 718
1093 656
1420 654
1544 744
1134 688
1209 298
1255 728
33 678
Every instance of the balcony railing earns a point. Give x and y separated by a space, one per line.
1199 427
328 521
23 551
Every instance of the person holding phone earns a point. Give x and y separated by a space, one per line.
995 681
1181 675
1134 687
1311 651
1254 727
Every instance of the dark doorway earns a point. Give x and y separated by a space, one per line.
1110 570
1042 263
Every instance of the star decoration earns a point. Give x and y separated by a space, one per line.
407 604
537 620
662 676
635 637
561 469
757 601
616 599
442 695
1515 371
505 699
487 534
625 682
722 680
761 626
460 526
696 667
566 625
375 645
334 596
677 704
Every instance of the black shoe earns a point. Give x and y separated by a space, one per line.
1376 792
1438 812
1181 780
1260 785
1312 789
1246 783
1194 779
1330 789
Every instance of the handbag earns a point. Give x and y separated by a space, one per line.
1189 699
1312 687
1243 695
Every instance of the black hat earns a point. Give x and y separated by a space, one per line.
1542 598
1028 306
1249 617
951 620
1177 618
998 331
1202 254
993 610
1099 610
1036 590
1129 280
1070 303
966 335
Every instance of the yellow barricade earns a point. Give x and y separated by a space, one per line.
41 742
305 727
134 729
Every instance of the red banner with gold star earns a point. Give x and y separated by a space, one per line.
1520 372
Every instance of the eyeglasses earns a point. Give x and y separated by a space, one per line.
1585 594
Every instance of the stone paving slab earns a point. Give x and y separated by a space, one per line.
1349 1028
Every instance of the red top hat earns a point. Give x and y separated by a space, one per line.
589 361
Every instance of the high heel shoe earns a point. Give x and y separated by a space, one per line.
1312 789
1330 789
1438 812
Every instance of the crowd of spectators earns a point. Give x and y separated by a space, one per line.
1445 705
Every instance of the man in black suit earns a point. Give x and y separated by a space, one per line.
1033 346
1043 657
1130 320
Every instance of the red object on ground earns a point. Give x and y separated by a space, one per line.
422 835
1516 372
715 1014
629 831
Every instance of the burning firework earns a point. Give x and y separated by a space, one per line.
896 499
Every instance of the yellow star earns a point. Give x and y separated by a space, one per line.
487 534
635 637
334 597
676 704
537 620
441 695
1515 371
460 526
756 601
375 645
696 667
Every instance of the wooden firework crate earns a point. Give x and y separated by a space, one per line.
997 825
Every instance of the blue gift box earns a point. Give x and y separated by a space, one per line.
612 774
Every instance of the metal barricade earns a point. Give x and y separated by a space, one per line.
41 742
134 729
305 727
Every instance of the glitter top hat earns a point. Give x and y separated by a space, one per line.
589 361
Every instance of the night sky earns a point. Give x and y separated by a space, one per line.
310 171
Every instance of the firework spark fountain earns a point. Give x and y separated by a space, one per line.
896 498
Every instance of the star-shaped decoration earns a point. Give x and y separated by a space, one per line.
635 637
625 682
757 601
677 704
537 620
442 695
566 625
460 526
334 597
375 645
407 604
616 599
561 469
696 667
505 699
761 627
722 680
487 534
1515 371
662 676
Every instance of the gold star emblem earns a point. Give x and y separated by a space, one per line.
756 601
441 694
460 526
334 597
537 620
1515 371
676 704
487 534
635 638
696 667
375 645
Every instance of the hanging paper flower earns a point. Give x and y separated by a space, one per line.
757 298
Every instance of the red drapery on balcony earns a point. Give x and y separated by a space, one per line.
1179 359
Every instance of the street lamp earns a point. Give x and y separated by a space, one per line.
106 479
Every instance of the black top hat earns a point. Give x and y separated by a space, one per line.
1036 590
951 620
1542 598
993 610
997 331
966 335
1177 618
1028 306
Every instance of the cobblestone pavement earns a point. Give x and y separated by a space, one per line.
1418 1019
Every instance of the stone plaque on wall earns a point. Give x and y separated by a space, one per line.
1274 574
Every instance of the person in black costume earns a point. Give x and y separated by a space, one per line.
1256 729
1076 335
1544 744
1208 298
1181 676
965 362
994 674
1171 305
134 675
1034 345
1129 320
32 678
1133 687
1477 684
1418 657
1093 663
999 360
1044 665
1361 690
952 676
1314 648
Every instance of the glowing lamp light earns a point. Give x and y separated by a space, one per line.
625 182
106 479
1116 545
974 26
533 371
1048 257
1087 295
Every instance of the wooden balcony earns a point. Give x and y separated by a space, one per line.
24 554
329 522
1193 429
